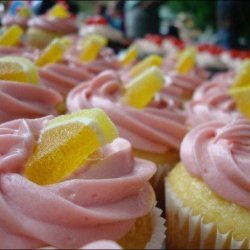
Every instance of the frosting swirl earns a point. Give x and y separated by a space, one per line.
99 201
219 154
25 100
211 101
63 77
9 20
63 26
153 129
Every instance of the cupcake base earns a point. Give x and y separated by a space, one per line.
188 231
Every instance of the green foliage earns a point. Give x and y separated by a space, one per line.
202 10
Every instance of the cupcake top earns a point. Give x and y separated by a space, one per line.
218 153
26 101
101 200
53 24
211 101
157 128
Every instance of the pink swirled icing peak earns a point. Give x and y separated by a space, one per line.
219 153
20 100
101 200
153 129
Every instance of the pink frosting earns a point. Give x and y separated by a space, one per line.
102 200
63 77
157 128
9 20
219 154
102 244
26 101
64 26
211 101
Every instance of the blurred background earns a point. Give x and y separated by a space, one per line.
223 22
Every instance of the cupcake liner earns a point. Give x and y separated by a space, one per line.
157 238
188 231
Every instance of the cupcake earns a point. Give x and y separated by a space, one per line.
155 131
57 22
207 194
98 200
18 13
26 101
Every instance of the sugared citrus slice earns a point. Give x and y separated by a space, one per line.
66 143
20 69
129 56
186 60
102 40
242 99
152 60
242 78
52 53
141 89
91 48
11 36
59 11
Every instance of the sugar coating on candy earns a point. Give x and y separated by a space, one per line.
20 69
66 143
142 88
11 36
91 49
129 56
152 60
53 53
186 60
59 11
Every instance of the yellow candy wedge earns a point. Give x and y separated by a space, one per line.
52 53
66 143
186 60
242 78
25 12
11 36
129 56
152 60
242 99
20 69
91 48
141 89
59 11
102 40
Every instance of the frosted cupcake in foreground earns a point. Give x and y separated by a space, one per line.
71 164
207 194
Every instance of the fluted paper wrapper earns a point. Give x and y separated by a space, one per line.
157 238
187 231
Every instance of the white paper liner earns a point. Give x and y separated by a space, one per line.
196 226
159 230
158 236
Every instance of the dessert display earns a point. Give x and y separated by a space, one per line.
105 141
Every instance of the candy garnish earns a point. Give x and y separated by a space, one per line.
66 143
186 60
11 36
91 48
59 11
141 89
152 60
52 53
20 69
129 56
